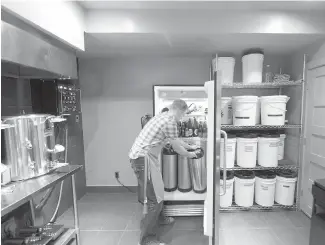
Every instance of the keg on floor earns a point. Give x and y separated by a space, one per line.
198 172
184 176
169 168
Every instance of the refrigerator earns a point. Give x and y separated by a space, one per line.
207 99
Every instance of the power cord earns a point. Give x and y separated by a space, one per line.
118 180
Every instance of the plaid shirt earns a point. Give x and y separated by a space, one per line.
157 131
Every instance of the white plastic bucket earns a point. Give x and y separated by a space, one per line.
244 110
268 150
273 109
265 190
244 191
281 147
247 152
226 66
230 151
285 190
226 110
226 200
252 68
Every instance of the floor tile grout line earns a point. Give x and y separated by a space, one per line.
127 225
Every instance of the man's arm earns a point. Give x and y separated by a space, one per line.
180 149
170 130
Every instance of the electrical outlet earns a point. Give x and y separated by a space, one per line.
117 175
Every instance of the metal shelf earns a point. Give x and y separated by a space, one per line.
258 127
65 238
256 207
263 85
283 164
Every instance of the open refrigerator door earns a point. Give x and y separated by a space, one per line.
201 99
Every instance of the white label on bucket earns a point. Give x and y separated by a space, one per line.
229 148
229 111
249 148
248 184
274 144
264 187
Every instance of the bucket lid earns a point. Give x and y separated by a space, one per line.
168 150
286 173
199 153
265 174
253 51
247 136
230 175
245 97
245 174
274 97
230 136
266 135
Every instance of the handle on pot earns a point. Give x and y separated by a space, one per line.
224 163
29 146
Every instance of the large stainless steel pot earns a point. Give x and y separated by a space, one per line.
30 145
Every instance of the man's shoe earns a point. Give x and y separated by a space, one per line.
166 220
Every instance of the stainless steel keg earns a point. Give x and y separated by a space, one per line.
169 168
184 176
198 172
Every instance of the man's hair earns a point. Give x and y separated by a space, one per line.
179 105
164 110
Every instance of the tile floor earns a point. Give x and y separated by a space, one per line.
113 219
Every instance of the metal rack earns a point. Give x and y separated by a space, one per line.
258 127
264 85
256 207
284 164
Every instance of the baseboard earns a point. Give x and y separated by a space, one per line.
110 189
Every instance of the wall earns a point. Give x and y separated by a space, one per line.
116 93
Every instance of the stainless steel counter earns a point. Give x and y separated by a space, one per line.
23 191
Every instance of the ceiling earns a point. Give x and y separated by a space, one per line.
112 45
217 4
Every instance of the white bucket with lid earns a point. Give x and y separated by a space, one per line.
268 150
247 151
281 147
226 200
244 188
252 68
226 66
230 151
285 188
273 109
265 188
226 110
244 110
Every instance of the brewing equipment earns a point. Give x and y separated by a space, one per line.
30 145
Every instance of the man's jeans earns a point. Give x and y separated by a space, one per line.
150 222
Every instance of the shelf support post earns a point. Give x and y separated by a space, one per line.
75 210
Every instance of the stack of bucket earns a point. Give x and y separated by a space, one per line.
252 110
265 187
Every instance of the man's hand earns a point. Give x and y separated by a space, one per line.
194 147
192 155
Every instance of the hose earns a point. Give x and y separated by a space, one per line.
54 216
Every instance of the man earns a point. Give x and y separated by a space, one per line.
159 131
